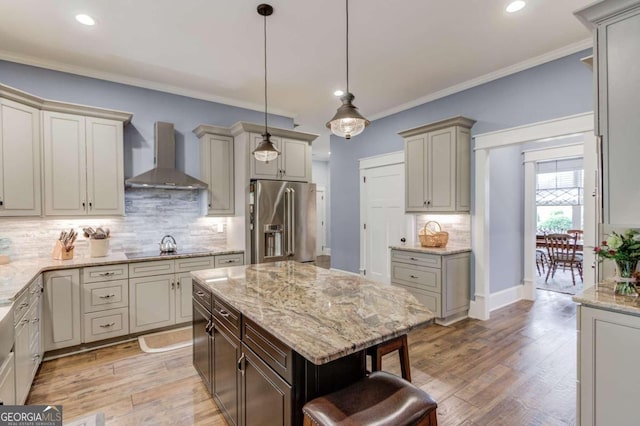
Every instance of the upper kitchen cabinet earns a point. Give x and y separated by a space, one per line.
20 193
216 168
437 166
294 161
616 26
83 165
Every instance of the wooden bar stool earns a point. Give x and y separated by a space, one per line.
398 344
380 399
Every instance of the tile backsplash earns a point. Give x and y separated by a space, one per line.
149 215
457 225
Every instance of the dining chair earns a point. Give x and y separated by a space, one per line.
562 252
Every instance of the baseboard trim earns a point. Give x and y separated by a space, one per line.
346 272
478 308
327 251
506 297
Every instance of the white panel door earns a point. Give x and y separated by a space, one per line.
295 163
65 167
61 309
441 173
152 302
384 218
321 220
105 169
262 169
19 160
218 174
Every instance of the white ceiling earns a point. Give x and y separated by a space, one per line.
402 51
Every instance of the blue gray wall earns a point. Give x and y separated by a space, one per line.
559 88
147 106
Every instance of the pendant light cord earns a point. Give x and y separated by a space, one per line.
347 3
265 74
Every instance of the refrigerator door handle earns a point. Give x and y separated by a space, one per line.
292 219
287 220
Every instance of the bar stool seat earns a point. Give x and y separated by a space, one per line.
380 399
398 344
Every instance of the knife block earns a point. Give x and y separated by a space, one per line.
60 252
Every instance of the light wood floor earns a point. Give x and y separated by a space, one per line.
518 368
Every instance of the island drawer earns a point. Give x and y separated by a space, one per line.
415 258
147 269
105 273
229 260
201 295
227 316
416 276
194 264
271 350
105 295
432 301
106 324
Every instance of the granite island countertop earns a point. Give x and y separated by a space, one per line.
450 248
323 315
16 276
604 298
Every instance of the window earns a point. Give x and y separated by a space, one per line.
560 195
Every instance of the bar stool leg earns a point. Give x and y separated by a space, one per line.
405 366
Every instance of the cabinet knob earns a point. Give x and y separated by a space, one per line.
413 276
1 203
403 240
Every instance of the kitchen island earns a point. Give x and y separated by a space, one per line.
269 337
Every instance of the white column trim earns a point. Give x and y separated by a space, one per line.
555 153
529 279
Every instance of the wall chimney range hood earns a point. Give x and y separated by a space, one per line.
165 175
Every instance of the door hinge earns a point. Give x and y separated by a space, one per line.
364 271
365 179
365 226
322 223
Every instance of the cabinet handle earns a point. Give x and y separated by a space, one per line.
229 261
223 313
173 285
90 205
241 364
108 325
206 327
83 205
24 321
199 294
413 276
413 258
1 203
424 203
23 305
36 358
107 296
107 274
35 320
429 202
178 285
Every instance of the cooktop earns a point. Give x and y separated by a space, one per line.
158 253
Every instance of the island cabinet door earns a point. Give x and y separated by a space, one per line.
202 349
266 397
226 374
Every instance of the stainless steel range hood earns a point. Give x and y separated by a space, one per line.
165 174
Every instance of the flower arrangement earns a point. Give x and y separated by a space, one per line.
624 249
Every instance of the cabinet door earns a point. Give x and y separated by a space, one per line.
463 170
23 360
226 377
261 169
152 302
105 167
184 288
266 397
34 336
217 171
19 160
296 160
64 164
619 104
201 343
415 157
455 284
7 380
441 173
61 309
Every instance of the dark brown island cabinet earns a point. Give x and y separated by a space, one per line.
253 377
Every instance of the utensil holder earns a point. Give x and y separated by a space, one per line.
60 252
99 248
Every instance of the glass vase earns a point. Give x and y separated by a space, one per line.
625 283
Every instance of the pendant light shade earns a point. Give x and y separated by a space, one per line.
348 121
265 151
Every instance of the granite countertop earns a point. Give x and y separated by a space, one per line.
323 315
16 276
451 248
605 298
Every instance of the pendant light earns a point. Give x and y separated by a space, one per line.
265 151
347 122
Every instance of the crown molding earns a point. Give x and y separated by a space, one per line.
244 127
207 129
495 75
137 82
461 121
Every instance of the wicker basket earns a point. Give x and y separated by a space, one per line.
430 238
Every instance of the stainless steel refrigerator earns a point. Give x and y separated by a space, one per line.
282 221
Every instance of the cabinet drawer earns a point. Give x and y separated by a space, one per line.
201 295
271 350
414 258
146 269
416 276
194 264
229 260
105 273
227 316
20 307
106 295
35 288
432 301
106 324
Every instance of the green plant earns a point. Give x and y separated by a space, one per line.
623 247
557 222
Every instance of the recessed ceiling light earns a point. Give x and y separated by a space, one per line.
85 19
338 93
515 6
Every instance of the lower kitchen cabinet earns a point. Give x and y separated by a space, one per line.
440 282
184 286
61 315
202 343
7 380
152 302
27 338
227 353
22 360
